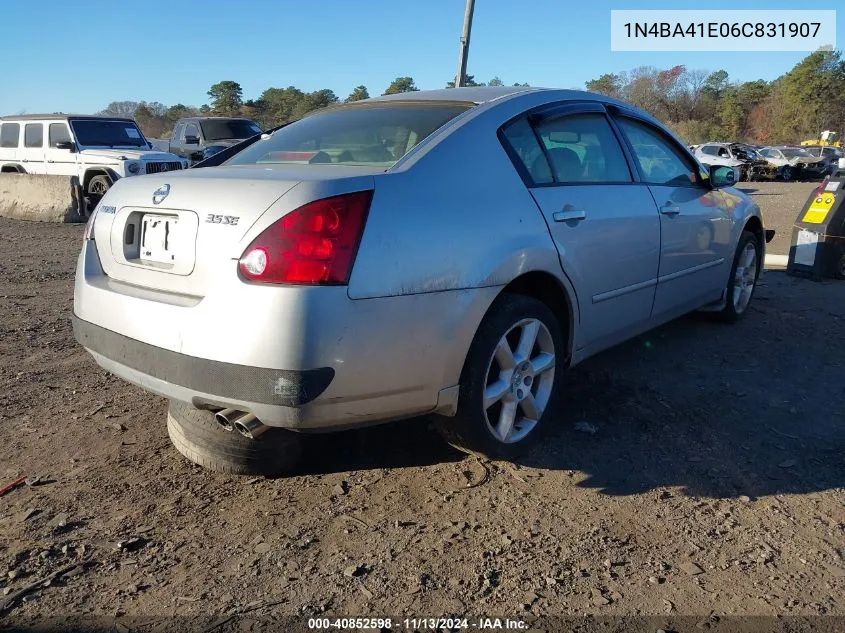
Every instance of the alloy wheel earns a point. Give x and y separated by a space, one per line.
519 380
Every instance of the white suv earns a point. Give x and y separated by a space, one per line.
98 150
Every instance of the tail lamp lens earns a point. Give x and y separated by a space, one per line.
312 245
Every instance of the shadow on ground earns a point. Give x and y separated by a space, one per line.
719 410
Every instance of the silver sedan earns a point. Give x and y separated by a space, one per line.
451 252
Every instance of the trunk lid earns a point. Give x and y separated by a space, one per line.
176 232
184 231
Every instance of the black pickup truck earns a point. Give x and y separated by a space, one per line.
197 138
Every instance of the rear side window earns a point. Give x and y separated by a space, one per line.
58 133
34 135
523 142
582 148
659 160
351 135
10 134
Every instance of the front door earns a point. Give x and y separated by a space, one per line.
60 162
605 225
695 225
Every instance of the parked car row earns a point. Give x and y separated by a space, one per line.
757 162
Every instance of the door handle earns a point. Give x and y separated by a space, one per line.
569 214
670 209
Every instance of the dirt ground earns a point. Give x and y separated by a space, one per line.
708 481
780 203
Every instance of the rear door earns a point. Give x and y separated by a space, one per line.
604 225
695 225
32 154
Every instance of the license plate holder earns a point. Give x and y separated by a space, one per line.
159 235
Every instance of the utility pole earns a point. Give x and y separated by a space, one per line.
463 53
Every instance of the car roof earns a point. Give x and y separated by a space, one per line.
211 118
63 117
474 94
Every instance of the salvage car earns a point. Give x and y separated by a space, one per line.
794 163
744 158
829 155
98 150
450 252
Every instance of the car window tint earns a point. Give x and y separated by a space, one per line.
660 162
583 148
522 140
710 149
9 134
33 135
192 129
58 133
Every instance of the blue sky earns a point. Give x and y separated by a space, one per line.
79 58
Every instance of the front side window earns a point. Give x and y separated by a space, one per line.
58 134
659 160
192 129
33 135
105 133
10 134
796 153
376 135
582 148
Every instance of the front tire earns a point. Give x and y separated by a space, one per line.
509 383
743 280
786 173
197 436
98 186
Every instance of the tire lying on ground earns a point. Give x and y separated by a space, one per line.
198 437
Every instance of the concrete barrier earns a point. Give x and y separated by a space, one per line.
42 198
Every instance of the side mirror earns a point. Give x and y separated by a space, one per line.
66 145
192 140
196 156
721 176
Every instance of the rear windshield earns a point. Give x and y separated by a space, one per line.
100 133
356 135
223 129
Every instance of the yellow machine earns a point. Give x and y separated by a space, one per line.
826 139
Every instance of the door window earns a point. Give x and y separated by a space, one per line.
711 150
524 145
34 135
582 148
659 160
10 134
192 129
58 134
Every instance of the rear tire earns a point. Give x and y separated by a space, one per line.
530 383
197 436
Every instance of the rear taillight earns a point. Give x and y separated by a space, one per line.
312 245
89 226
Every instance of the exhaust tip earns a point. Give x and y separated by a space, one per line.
250 427
225 418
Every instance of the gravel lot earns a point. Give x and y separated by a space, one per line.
780 203
712 484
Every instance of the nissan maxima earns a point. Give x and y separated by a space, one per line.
450 253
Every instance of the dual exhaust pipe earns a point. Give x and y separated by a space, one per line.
244 423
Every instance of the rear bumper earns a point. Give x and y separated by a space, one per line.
227 381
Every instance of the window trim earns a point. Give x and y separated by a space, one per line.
624 113
557 110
